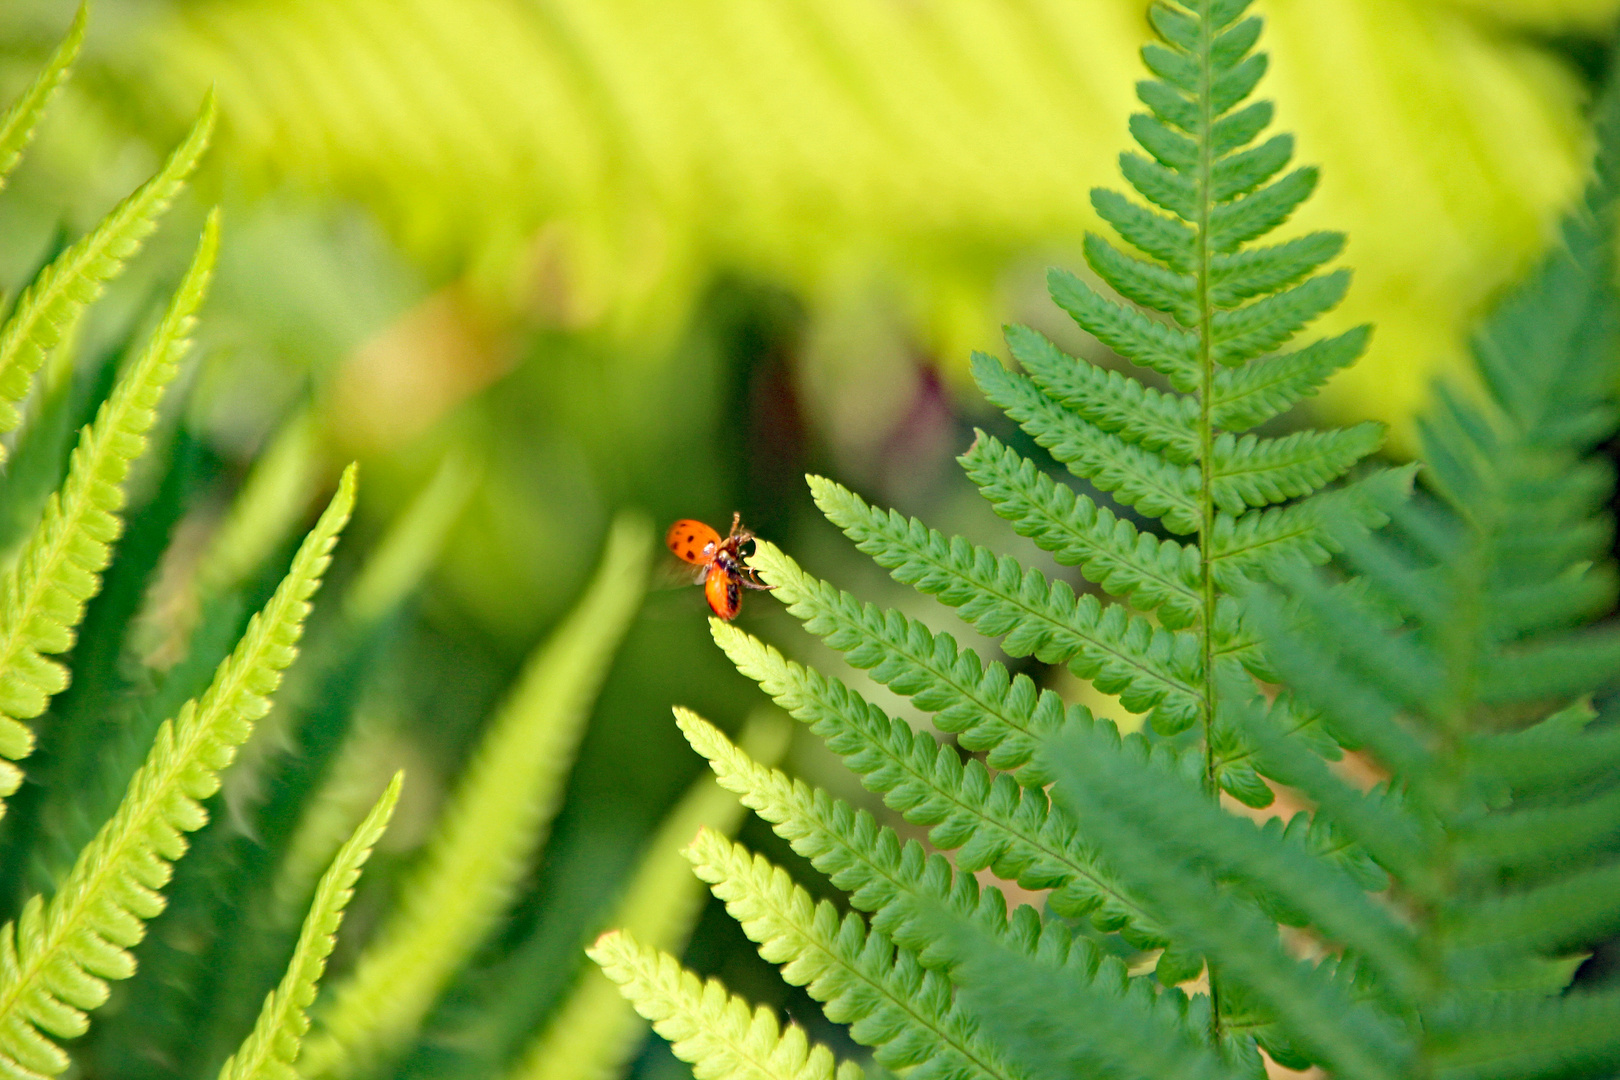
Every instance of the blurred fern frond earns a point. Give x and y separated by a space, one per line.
59 954
43 595
269 1051
580 166
57 298
18 123
495 822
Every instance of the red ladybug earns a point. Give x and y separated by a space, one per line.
722 564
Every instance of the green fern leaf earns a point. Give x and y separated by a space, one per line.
43 594
18 124
996 823
889 879
1063 1010
1146 283
495 821
271 1048
1004 716
1577 1035
894 1005
1348 1036
1260 545
1152 574
53 304
1112 401
1249 471
55 959
1246 396
1133 475
1169 351
1147 666
1183 821
713 1031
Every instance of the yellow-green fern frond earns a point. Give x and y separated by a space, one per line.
412 542
43 594
596 1029
273 499
270 1049
55 959
713 1031
59 296
18 124
494 823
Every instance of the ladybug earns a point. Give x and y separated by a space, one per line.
722 563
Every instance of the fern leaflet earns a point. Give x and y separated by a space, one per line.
52 305
272 1046
22 117
714 1031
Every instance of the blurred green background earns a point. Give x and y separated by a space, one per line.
672 255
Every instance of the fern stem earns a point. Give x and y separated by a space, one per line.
1206 436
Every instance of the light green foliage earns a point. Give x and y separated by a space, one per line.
22 117
596 1030
42 595
269 1051
53 304
496 821
896 1006
849 148
713 1030
55 959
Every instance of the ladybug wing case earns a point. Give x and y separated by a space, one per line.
723 592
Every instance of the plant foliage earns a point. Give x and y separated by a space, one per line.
1437 917
221 952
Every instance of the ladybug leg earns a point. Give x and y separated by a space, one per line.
750 579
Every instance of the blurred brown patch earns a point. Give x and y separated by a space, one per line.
404 379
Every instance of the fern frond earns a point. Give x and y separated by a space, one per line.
713 1031
18 123
1574 1035
1260 545
996 823
1132 474
273 498
1150 573
1149 667
1003 715
43 594
52 305
272 1046
593 1032
884 877
1187 826
495 821
1063 1009
892 1004
56 958
1241 943
1109 399
1249 471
